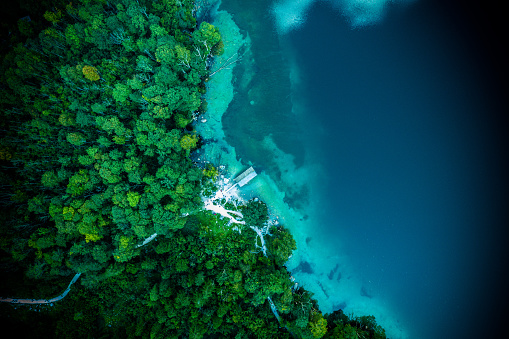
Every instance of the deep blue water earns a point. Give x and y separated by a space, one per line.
414 130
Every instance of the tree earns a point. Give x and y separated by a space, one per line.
49 179
76 139
73 37
188 142
90 73
121 92
206 36
133 198
165 54
125 249
78 183
318 325
255 213
281 245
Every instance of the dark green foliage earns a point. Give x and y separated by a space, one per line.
91 127
282 245
255 213
343 327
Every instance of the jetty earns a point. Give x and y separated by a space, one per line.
243 178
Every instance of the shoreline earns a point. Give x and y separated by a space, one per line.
219 94
313 264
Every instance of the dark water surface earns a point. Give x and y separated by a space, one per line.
414 126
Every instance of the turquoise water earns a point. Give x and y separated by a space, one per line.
382 130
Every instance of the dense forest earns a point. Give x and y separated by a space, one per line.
97 101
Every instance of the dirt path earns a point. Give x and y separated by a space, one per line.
42 301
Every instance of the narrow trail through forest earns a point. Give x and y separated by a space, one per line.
42 301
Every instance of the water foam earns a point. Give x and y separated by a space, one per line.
291 14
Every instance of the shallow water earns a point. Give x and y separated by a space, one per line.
385 144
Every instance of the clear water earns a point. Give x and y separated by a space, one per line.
394 131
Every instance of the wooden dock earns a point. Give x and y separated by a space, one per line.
244 178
